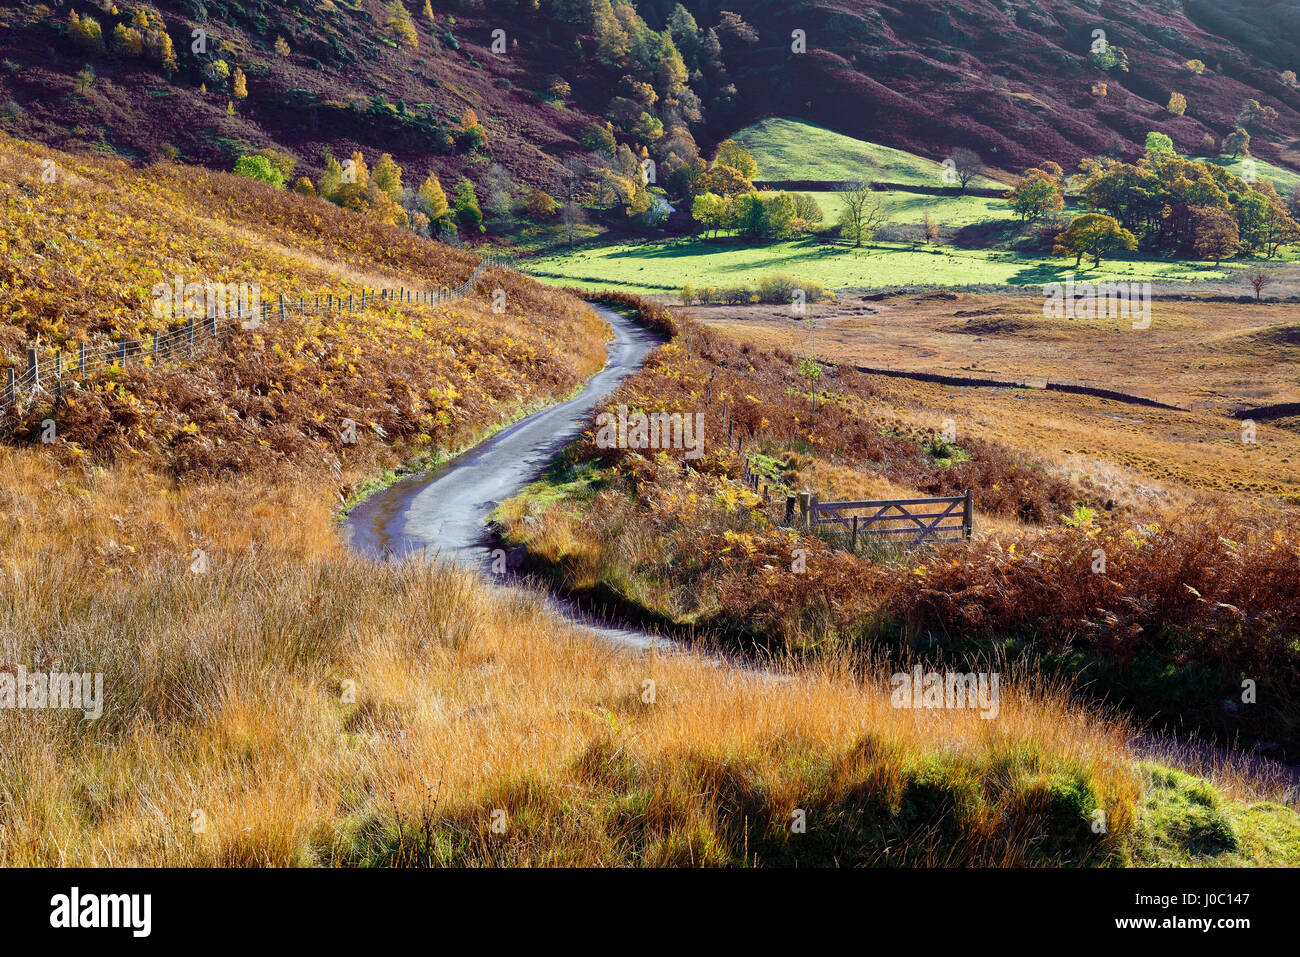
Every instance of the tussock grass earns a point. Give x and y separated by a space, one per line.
226 695
1185 610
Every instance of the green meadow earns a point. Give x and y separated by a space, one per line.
910 208
658 267
1284 180
793 149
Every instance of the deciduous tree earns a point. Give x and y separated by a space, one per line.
1093 234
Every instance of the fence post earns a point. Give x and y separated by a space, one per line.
853 537
34 369
805 502
189 334
350 302
968 518
789 509
122 353
282 307
155 346
81 361
10 392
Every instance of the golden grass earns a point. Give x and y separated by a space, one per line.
1213 356
225 696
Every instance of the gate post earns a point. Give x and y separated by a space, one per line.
968 516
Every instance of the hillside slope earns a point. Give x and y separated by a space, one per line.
83 255
343 81
1014 81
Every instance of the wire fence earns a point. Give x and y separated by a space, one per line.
50 374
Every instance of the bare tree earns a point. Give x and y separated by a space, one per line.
967 165
571 218
574 173
861 215
929 228
1259 280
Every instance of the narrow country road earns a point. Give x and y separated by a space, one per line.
444 513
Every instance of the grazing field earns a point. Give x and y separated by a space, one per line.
659 267
910 209
1199 355
793 149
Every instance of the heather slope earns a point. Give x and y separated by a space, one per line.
1017 83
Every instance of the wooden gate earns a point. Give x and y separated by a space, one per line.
924 519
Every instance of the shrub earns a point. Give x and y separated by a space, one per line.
468 213
259 168
127 40
86 33
281 161
737 295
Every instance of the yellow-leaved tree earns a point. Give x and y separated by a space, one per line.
433 201
387 176
399 25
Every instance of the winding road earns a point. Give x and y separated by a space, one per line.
444 513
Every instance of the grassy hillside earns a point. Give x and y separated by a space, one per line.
788 148
1285 180
83 253
1015 88
1020 85
344 80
